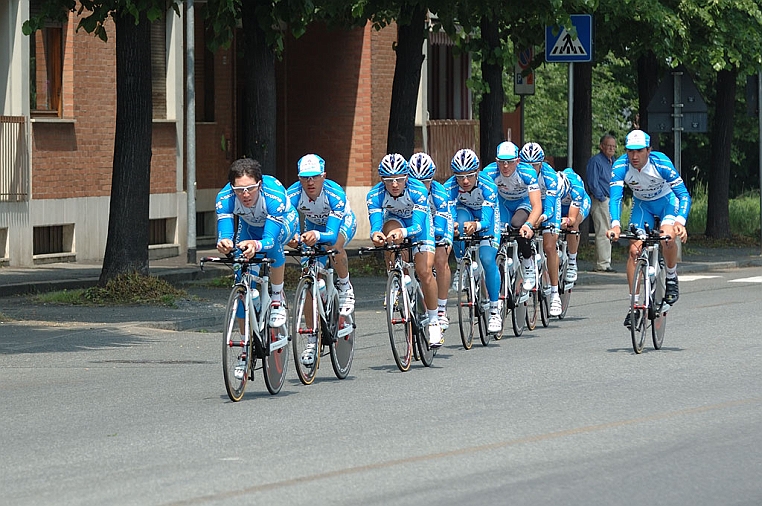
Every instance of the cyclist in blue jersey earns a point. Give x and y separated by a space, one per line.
519 200
266 222
533 154
328 219
398 207
575 207
475 197
658 191
422 168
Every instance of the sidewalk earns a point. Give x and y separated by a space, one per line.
176 270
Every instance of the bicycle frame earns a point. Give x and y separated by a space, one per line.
478 300
512 296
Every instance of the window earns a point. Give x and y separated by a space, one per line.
204 73
46 65
159 68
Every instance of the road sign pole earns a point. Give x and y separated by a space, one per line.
759 114
677 106
570 135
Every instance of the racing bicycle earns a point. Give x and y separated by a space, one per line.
317 325
247 335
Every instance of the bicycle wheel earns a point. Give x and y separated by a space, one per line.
505 292
639 310
236 356
519 313
275 364
342 339
305 330
483 311
425 351
398 321
659 320
466 303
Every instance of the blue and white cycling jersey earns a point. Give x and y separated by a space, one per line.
657 183
271 220
329 214
575 196
411 209
443 213
480 202
513 191
548 188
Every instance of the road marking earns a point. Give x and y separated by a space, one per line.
695 277
754 279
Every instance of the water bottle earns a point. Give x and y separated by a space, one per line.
321 289
255 300
651 272
406 281
538 261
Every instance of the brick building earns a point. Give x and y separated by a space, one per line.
57 122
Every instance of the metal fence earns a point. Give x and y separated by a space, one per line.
14 159
446 136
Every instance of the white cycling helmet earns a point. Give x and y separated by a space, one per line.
392 165
422 166
465 160
532 153
563 184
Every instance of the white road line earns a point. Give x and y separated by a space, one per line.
754 279
694 277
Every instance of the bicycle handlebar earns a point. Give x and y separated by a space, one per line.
406 244
310 251
233 259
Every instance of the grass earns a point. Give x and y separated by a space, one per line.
125 289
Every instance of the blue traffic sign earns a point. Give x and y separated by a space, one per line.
561 46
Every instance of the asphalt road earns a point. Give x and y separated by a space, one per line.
94 413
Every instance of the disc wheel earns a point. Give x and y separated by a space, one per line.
638 310
564 288
659 321
466 304
305 330
483 311
544 299
519 313
398 322
236 355
505 298
533 308
342 347
275 363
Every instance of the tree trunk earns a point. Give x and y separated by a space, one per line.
648 83
582 127
718 215
491 105
407 77
128 226
260 97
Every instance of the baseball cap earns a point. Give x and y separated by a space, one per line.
637 139
507 151
310 165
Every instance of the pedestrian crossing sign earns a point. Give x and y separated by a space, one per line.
561 45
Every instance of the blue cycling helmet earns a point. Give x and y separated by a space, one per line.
422 166
392 165
465 160
532 153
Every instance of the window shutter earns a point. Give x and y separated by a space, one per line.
159 68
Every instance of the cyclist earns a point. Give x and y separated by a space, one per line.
657 191
422 168
533 154
328 219
575 207
398 208
519 200
266 222
475 197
